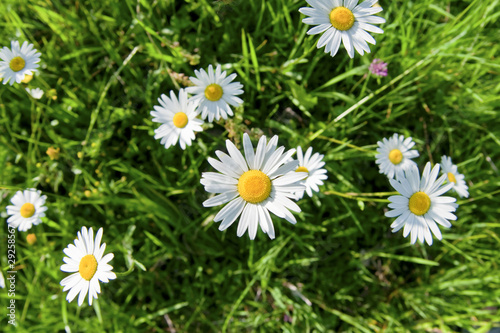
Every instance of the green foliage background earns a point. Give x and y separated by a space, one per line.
340 269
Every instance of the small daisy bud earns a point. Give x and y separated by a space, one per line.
53 153
31 239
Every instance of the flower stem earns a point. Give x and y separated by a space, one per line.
356 196
127 272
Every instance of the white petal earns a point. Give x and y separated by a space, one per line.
236 155
254 220
220 199
260 153
245 219
232 213
249 152
83 292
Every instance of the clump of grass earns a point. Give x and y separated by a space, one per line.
339 269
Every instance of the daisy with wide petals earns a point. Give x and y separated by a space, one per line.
421 204
178 119
394 155
87 261
27 209
254 185
18 62
343 20
312 165
455 178
213 91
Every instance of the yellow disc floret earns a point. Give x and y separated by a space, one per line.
302 169
88 267
451 178
180 120
342 18
419 203
17 63
395 156
213 92
27 210
254 186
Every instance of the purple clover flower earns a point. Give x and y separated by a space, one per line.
378 67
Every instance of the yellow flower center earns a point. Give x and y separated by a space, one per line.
180 120
213 92
395 156
88 267
451 178
254 186
342 18
302 169
16 64
419 203
27 210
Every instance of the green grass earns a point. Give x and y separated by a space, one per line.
340 269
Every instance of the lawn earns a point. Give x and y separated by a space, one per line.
104 64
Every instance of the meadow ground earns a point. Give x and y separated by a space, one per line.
339 269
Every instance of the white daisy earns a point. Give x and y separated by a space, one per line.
260 183
18 62
394 155
420 204
313 166
213 91
27 210
455 178
343 21
178 119
85 259
36 93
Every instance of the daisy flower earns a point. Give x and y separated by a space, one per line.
394 155
85 259
254 185
178 119
343 21
27 210
420 205
455 178
36 93
312 165
18 62
213 91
